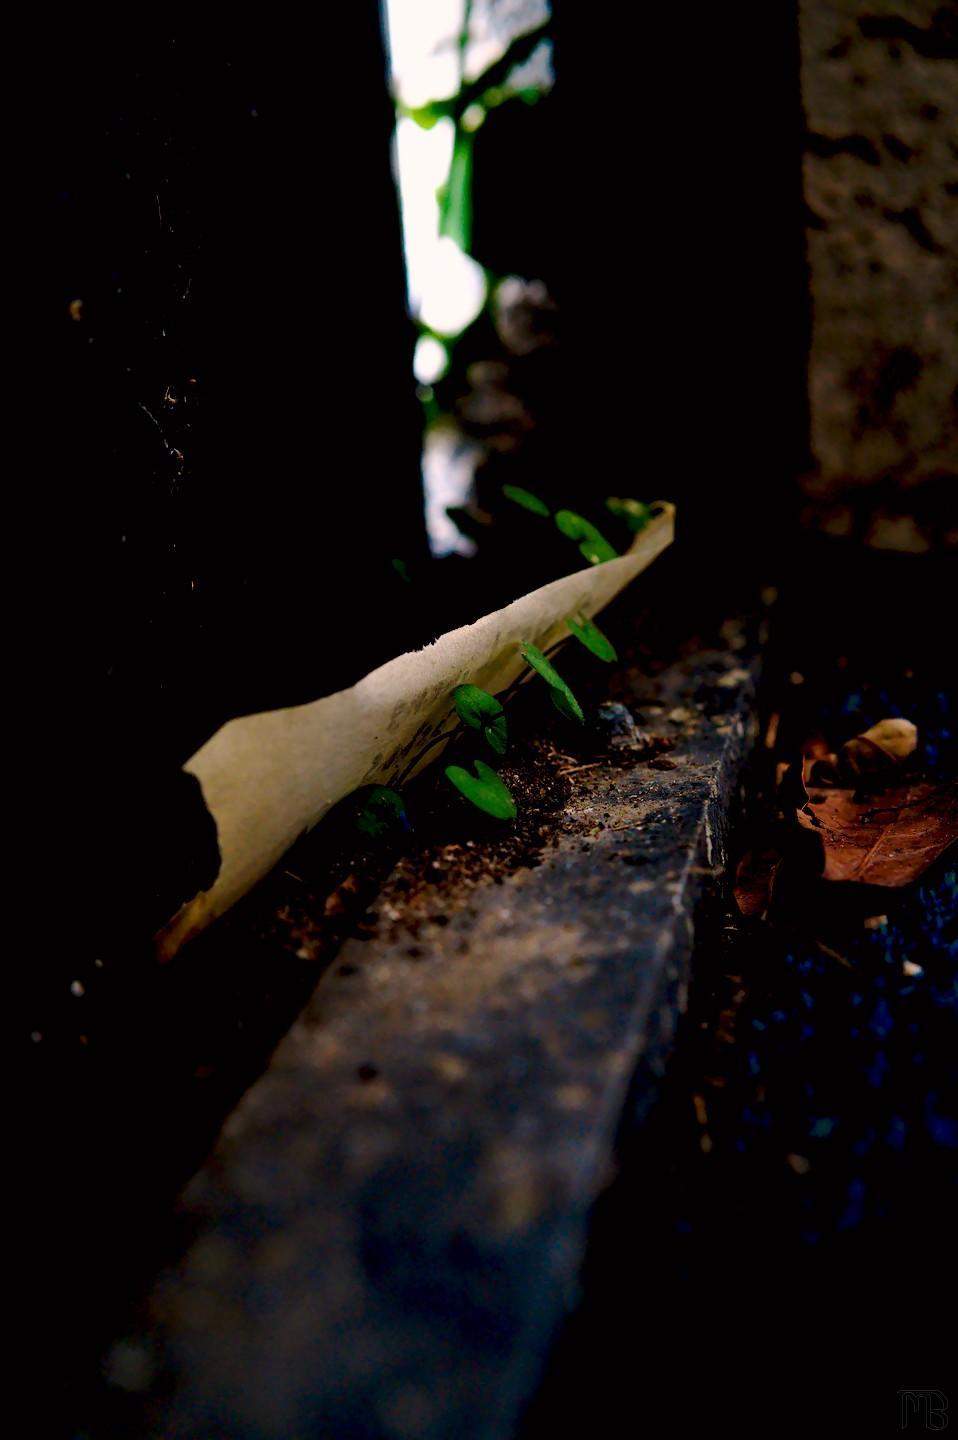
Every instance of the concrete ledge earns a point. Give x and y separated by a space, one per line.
393 1219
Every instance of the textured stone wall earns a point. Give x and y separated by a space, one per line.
880 91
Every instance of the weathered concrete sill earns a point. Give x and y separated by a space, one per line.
392 1221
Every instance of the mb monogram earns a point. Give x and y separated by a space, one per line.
923 1410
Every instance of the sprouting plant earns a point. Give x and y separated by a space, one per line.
482 711
592 637
484 789
380 812
633 512
562 697
592 543
382 809
526 499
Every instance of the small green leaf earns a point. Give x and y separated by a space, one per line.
526 499
425 116
633 512
482 711
402 570
381 812
592 543
487 793
592 637
562 697
455 197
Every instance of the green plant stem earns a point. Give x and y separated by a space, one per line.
499 71
518 52
527 675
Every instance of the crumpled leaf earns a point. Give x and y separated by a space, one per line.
755 877
592 543
485 790
790 785
888 840
821 770
819 764
592 637
482 711
877 753
562 697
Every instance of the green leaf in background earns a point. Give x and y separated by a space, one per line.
592 543
592 637
402 570
526 499
484 789
562 697
381 812
425 116
496 76
455 197
482 711
633 512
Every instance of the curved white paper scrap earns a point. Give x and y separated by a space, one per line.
266 778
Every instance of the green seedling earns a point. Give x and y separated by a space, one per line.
455 197
592 543
482 711
562 697
484 790
592 637
381 812
526 499
633 512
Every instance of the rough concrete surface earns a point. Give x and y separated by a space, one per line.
391 1225
880 91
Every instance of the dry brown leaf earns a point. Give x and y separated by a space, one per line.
815 746
754 879
897 737
792 794
889 840
818 762
821 770
771 730
878 752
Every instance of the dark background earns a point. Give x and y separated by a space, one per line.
220 428
220 438
217 450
